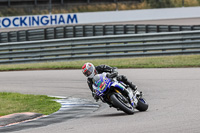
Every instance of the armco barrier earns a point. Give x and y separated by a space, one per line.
88 30
112 46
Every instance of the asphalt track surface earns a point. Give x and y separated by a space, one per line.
173 96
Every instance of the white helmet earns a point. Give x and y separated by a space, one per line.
89 70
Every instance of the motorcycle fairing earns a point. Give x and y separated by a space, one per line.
118 85
102 83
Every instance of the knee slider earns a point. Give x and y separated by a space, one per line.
124 78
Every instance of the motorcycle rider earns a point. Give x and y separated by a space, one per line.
89 70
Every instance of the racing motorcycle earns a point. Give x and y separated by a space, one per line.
117 94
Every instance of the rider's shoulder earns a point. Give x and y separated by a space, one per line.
100 66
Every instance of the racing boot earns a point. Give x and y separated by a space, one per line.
131 85
134 88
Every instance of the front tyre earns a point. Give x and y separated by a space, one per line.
121 102
142 105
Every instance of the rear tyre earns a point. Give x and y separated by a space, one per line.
142 105
119 102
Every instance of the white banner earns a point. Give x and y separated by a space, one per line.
99 17
40 20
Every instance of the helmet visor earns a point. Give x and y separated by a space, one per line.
88 72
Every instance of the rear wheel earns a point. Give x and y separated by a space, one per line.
142 105
122 103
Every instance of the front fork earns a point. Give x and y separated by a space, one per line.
133 96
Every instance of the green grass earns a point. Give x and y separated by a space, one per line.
180 61
17 103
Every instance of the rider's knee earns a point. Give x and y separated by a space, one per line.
122 78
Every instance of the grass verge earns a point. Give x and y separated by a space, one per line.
17 103
180 61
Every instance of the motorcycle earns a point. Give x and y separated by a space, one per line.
118 95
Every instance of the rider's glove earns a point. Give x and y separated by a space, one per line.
93 93
95 96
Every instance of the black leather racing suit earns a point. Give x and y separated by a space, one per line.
113 73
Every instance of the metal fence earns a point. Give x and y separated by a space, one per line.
112 46
88 30
57 2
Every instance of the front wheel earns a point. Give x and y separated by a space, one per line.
121 102
142 105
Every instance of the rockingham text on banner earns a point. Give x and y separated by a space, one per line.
38 20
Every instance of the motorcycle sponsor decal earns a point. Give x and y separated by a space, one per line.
109 84
102 86
119 86
132 101
107 80
98 83
98 93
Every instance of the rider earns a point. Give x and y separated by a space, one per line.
89 70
